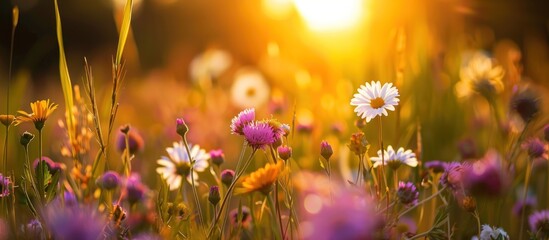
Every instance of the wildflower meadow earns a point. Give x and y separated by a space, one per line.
274 119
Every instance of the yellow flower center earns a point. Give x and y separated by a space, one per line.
377 102
250 92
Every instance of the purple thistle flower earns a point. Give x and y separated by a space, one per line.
227 176
74 222
259 134
535 147
526 103
217 157
135 190
53 167
539 223
109 180
241 120
245 217
487 176
528 205
407 193
33 230
453 175
350 217
326 150
436 166
135 141
5 183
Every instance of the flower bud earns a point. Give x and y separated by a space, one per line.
326 150
109 181
535 147
26 138
214 196
181 127
358 144
469 204
227 177
217 157
7 119
125 129
284 152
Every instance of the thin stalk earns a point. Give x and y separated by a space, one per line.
475 214
226 198
40 174
195 194
383 160
277 201
238 169
420 203
272 207
524 195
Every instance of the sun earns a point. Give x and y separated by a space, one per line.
327 15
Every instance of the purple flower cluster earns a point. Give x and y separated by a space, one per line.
242 119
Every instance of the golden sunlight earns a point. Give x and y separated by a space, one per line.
326 15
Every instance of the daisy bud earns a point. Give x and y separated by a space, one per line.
326 150
26 138
217 157
227 177
181 127
214 196
284 152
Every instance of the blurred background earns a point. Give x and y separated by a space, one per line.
299 61
207 60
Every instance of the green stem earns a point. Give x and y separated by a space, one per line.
420 203
195 194
475 214
273 208
524 195
40 166
228 195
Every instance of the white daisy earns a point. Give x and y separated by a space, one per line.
479 75
177 165
395 159
374 100
210 64
250 89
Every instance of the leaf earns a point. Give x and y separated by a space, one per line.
65 77
52 190
124 30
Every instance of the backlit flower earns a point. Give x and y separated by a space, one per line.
480 76
242 119
436 166
245 217
395 159
250 89
41 110
177 165
262 179
526 103
259 134
374 100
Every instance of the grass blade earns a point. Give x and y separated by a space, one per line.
124 30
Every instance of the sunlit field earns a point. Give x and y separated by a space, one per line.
274 119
